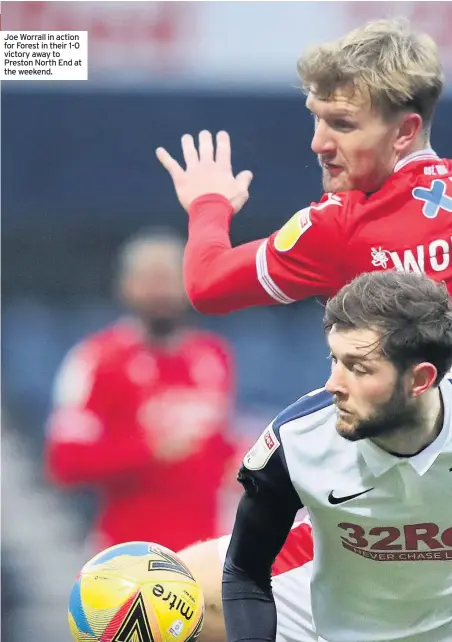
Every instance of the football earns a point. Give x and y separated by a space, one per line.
136 592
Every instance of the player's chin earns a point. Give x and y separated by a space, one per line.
336 182
346 428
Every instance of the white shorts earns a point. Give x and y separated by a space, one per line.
291 578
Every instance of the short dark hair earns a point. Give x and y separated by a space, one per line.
411 313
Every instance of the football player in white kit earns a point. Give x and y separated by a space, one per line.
291 576
370 457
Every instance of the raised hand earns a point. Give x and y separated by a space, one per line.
208 171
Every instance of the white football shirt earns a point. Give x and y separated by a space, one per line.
382 525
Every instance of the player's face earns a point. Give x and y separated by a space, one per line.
371 396
355 146
153 287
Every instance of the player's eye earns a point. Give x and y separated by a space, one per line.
342 125
358 370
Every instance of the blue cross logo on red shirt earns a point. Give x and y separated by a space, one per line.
434 198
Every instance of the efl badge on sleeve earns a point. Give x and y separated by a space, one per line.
263 449
289 234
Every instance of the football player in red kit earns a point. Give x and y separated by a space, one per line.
388 196
142 409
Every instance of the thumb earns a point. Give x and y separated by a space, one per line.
244 179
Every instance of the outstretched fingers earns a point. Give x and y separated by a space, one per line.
223 156
189 150
244 179
169 163
205 146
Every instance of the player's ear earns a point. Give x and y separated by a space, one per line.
423 378
410 126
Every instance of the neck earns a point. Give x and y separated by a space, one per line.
410 440
163 341
421 143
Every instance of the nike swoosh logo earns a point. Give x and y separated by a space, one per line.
339 500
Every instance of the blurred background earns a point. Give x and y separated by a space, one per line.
79 175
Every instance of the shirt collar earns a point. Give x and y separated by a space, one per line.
379 461
421 155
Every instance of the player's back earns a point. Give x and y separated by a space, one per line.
406 225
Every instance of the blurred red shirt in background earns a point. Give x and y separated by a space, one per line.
147 427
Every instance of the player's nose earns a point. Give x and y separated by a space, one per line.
335 384
322 142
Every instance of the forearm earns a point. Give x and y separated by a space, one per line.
219 278
84 465
249 610
76 456
260 529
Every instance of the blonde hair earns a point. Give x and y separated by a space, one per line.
387 60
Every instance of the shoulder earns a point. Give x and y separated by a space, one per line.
408 177
210 353
117 339
339 204
100 347
313 408
339 201
328 214
84 362
423 171
269 463
308 412
205 340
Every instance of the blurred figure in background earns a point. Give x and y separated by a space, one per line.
141 409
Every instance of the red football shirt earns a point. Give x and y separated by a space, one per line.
406 225
115 397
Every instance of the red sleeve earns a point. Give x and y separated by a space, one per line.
305 257
300 260
219 278
85 441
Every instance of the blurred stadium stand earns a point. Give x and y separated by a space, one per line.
69 198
